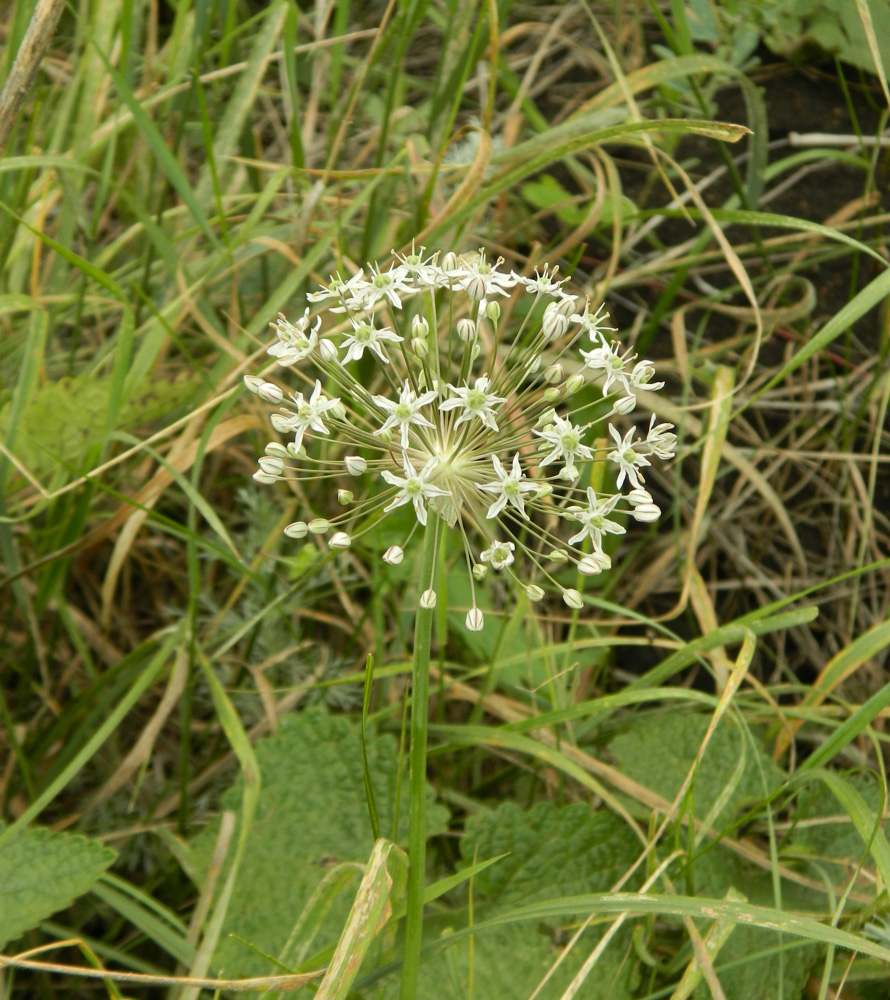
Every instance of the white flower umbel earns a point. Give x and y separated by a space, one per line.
417 399
421 409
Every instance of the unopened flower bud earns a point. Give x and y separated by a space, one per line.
493 311
566 304
533 365
340 540
543 491
271 466
553 374
534 592
466 329
625 405
419 326
475 620
276 449
394 555
569 473
476 288
319 526
355 465
551 394
327 349
420 347
479 571
339 409
294 451
557 556
574 383
553 324
646 512
428 599
280 422
253 383
475 351
345 497
573 599
450 261
264 477
270 392
299 529
589 566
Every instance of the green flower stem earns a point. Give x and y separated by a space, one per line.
420 675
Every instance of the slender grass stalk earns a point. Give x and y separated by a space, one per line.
420 674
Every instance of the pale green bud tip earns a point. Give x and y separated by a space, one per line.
544 491
253 382
479 571
420 347
428 599
299 529
551 394
493 311
573 599
419 326
345 497
475 620
340 540
553 374
276 450
574 383
327 349
534 592
394 555
355 465
558 556
264 477
319 526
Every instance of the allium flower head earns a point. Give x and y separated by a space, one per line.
460 422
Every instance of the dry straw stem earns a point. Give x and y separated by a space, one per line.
27 61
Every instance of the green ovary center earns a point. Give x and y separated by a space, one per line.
403 412
476 399
570 440
363 334
413 487
511 489
381 280
305 412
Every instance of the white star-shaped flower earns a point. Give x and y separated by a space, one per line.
500 555
629 460
413 488
595 324
404 413
608 358
510 485
595 519
366 335
565 439
476 402
309 414
295 341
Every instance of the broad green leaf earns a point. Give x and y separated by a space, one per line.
311 814
659 748
42 872
63 420
546 851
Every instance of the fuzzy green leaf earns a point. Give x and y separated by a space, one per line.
659 749
312 814
42 872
